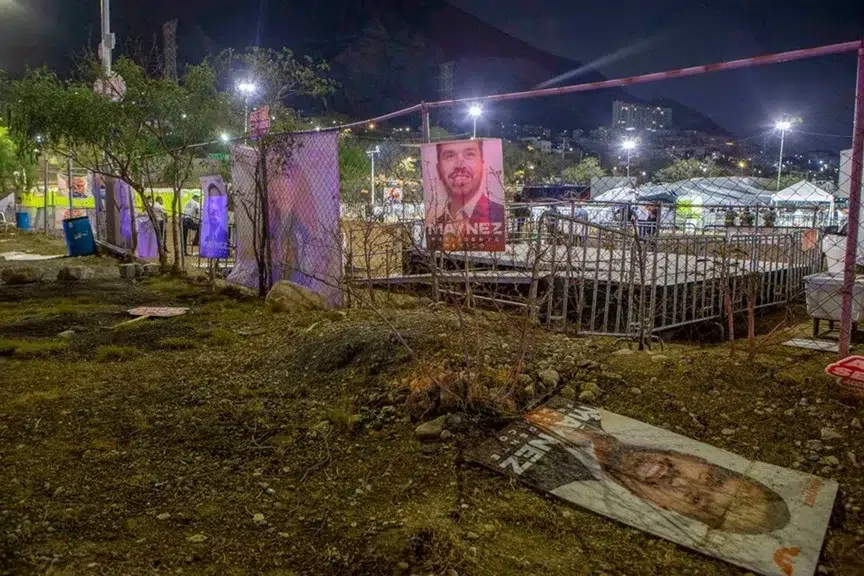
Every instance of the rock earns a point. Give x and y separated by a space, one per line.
66 334
151 269
829 434
830 461
789 412
164 516
815 445
852 459
197 538
74 273
139 270
21 275
659 358
524 380
587 396
593 388
452 572
286 296
127 271
472 536
431 431
258 518
568 392
856 423
635 390
529 390
728 431
445 435
403 566
456 422
549 378
623 352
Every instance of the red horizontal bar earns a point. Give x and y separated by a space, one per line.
679 73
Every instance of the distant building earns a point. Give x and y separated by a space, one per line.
629 116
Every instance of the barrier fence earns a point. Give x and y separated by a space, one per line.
659 236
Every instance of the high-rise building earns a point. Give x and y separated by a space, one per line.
629 116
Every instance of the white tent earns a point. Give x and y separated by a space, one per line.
803 192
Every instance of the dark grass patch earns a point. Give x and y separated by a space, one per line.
116 353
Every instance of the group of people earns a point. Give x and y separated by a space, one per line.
191 221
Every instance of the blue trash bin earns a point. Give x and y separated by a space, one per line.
22 221
79 236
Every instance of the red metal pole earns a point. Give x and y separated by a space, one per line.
679 73
854 211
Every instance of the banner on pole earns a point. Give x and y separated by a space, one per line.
259 122
214 218
463 190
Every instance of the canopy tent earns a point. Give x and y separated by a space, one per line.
721 191
803 192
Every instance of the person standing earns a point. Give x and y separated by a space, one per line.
191 220
161 217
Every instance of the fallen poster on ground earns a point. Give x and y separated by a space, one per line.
463 191
758 516
214 218
301 192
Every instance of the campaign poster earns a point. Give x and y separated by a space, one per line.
463 191
214 218
302 195
762 517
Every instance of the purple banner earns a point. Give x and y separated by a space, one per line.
214 218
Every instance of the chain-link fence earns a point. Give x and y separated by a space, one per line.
628 230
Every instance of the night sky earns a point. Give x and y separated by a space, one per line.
620 38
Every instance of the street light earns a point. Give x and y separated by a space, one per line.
246 88
224 137
629 146
372 152
475 111
782 126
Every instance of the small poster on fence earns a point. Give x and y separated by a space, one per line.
463 190
765 518
214 218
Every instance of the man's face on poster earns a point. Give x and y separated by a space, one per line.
460 167
693 487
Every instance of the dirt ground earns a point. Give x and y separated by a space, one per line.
234 440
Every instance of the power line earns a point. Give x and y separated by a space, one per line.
822 134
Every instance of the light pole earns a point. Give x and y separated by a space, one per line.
107 43
783 126
371 153
246 88
629 146
475 111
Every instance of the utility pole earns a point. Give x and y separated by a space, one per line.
107 44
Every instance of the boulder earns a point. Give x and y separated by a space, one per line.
152 269
593 388
568 392
286 296
127 271
549 378
21 275
431 431
74 273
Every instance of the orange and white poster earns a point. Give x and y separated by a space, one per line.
762 517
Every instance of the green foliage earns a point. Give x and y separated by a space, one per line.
177 343
354 170
222 337
32 348
525 165
691 168
583 172
115 353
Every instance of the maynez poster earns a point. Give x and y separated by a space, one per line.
463 191
214 218
758 516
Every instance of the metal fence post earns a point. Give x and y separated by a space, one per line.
854 210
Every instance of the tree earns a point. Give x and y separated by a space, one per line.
690 168
583 172
17 167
